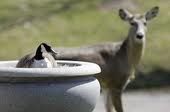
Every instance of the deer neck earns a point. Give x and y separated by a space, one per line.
135 49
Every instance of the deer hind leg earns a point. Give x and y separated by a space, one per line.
116 100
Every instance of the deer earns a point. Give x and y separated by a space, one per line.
118 60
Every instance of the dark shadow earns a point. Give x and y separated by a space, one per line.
156 79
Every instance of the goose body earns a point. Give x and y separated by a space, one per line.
45 63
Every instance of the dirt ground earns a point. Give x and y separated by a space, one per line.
142 101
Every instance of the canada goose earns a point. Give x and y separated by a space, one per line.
43 58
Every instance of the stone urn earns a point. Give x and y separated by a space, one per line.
70 87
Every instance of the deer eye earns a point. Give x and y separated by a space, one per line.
145 23
133 23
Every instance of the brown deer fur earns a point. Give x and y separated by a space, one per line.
117 60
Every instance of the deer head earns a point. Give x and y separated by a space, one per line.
138 23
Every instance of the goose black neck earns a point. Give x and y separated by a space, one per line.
38 54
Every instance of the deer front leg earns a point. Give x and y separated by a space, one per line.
116 100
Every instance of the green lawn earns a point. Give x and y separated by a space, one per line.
26 23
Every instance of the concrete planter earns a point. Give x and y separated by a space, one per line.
68 88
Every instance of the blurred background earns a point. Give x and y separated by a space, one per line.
24 24
66 23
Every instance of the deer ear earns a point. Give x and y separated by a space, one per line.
152 13
124 14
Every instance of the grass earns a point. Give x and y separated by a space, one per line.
26 23
72 27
